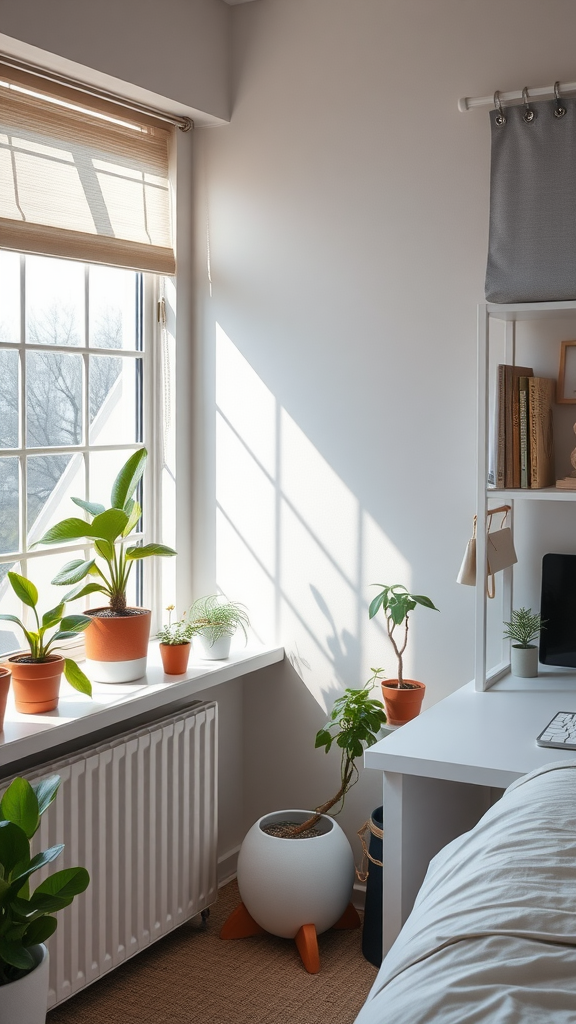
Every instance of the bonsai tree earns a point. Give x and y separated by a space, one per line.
40 645
397 603
107 530
523 627
175 633
214 617
26 918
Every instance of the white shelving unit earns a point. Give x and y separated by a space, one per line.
490 497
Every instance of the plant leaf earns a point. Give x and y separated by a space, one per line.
53 616
127 480
109 525
76 623
12 618
24 589
420 599
68 529
15 954
20 806
76 677
92 507
90 588
46 790
39 931
375 605
65 884
39 861
14 846
105 549
133 517
145 550
73 572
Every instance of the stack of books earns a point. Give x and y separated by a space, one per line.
523 451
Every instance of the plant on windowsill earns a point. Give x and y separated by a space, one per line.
215 621
26 919
117 640
402 697
523 628
174 644
36 673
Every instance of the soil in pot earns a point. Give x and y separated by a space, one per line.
402 705
117 644
36 684
174 658
4 687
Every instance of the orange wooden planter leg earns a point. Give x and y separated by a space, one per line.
239 925
350 918
307 942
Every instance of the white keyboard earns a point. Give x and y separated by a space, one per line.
560 732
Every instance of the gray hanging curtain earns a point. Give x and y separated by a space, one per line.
532 245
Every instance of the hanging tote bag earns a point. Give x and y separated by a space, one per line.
532 243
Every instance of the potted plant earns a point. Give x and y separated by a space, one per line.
214 620
36 673
402 697
117 640
296 868
26 918
522 629
4 687
174 644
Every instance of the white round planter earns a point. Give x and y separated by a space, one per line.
213 651
26 1001
286 883
524 661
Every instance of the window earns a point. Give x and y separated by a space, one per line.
77 373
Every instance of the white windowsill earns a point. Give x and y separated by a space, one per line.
78 716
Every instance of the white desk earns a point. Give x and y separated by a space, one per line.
441 772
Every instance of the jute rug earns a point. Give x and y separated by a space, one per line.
193 976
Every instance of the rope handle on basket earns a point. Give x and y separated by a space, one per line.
362 874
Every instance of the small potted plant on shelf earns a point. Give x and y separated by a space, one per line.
26 919
36 673
214 621
174 644
296 867
117 641
522 629
402 697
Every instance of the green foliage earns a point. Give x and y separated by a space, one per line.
396 604
26 919
523 627
215 617
175 633
40 646
107 530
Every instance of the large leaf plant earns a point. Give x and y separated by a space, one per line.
26 918
108 530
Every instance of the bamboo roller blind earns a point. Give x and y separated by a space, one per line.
79 186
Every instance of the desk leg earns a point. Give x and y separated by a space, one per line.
421 815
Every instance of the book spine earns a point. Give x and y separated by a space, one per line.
500 445
540 401
524 446
508 426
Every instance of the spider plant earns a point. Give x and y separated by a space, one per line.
214 617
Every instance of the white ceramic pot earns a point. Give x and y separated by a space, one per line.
286 883
524 661
25 1001
217 650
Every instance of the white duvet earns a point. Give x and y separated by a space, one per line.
492 936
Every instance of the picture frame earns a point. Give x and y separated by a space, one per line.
566 384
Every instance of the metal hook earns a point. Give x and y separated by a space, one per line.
500 119
529 115
559 110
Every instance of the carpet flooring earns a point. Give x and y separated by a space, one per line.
194 976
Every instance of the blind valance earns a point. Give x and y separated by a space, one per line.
81 184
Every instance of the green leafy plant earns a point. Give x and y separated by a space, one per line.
175 633
215 617
40 645
397 603
26 919
523 627
107 530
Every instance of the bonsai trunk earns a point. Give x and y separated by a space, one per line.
313 820
399 651
118 603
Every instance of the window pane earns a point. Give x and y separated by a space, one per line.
8 398
9 296
42 571
53 399
54 301
112 315
11 638
115 400
9 505
51 480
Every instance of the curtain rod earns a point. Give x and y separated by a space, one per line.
468 102
183 123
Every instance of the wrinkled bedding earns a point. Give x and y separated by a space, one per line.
492 935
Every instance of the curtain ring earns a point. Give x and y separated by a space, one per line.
559 110
529 115
500 119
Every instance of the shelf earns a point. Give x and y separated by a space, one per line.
539 494
531 310
549 680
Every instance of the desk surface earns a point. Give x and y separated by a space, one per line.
488 739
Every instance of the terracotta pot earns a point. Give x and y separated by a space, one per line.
117 645
175 658
402 705
36 684
4 687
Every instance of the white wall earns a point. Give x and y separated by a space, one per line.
347 211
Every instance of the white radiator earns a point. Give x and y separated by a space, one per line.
140 812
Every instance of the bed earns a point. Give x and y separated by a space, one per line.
492 935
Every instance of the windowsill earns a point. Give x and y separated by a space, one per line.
77 716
